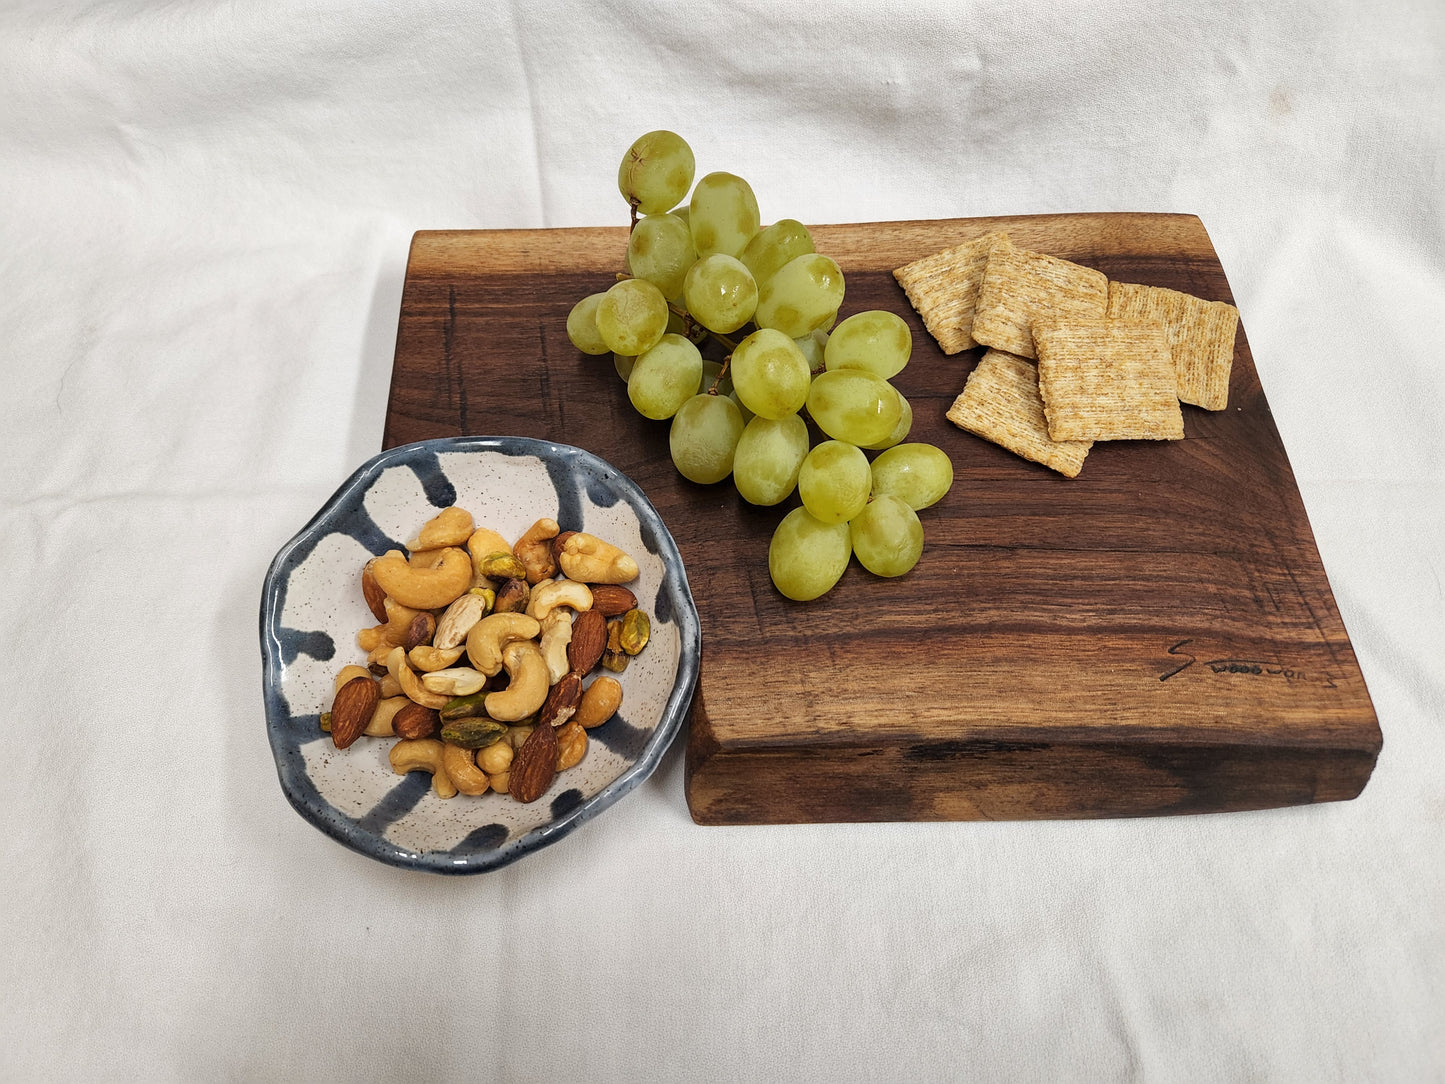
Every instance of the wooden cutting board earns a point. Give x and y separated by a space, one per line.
1155 636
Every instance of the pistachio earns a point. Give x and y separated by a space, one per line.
464 707
474 733
635 631
512 596
501 566
614 658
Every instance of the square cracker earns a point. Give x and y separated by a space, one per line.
944 288
1001 403
1107 379
1201 337
1019 286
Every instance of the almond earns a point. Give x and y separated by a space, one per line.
420 631
612 599
414 720
562 700
589 640
534 766
372 592
351 710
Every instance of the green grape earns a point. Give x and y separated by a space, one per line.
875 340
769 453
813 347
806 557
803 296
854 405
632 316
901 430
656 172
720 293
834 481
774 246
886 536
703 437
770 374
664 377
623 363
582 326
723 215
660 250
917 474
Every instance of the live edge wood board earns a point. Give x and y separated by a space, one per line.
1156 636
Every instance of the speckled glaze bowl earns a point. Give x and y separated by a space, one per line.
312 608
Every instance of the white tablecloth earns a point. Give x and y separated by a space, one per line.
204 217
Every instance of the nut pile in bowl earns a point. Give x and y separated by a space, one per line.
317 620
478 663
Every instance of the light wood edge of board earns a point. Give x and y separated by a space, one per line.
880 246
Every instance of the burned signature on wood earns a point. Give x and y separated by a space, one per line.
1257 667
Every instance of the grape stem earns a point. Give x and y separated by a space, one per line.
632 207
720 374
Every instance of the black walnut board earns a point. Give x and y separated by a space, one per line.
1156 636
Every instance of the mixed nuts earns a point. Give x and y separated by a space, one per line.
481 658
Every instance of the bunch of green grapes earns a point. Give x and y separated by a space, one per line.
709 270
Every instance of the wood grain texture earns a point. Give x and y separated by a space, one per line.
1155 636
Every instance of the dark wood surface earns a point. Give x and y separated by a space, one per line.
1155 636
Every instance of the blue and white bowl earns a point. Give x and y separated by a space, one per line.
312 608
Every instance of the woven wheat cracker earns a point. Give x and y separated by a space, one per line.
1019 286
944 289
1001 403
1107 379
1201 337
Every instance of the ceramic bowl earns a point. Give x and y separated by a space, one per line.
312 608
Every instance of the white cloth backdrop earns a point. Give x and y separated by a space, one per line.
204 216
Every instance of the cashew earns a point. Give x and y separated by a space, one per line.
547 596
457 681
600 702
410 684
587 558
449 527
528 686
425 558
556 635
534 550
426 658
492 634
346 674
424 588
390 634
485 542
380 723
390 686
425 755
461 615
461 768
